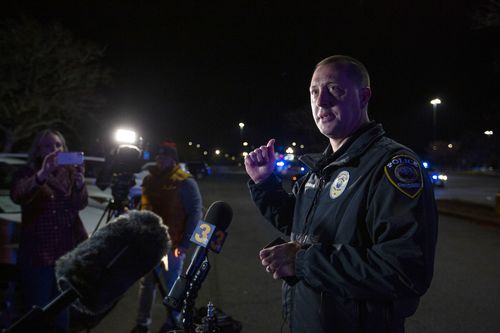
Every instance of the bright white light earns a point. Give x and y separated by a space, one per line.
125 136
241 125
302 146
280 163
489 132
294 144
164 260
434 177
289 150
205 153
436 101
198 145
443 177
450 145
425 164
245 154
245 143
190 143
217 152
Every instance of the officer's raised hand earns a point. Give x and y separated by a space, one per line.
259 163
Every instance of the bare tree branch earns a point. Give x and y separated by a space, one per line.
47 78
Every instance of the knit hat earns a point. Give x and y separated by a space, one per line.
168 148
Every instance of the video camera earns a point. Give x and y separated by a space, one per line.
124 160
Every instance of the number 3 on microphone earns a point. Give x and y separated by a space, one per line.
202 233
205 230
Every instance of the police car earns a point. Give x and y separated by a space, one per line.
290 169
437 178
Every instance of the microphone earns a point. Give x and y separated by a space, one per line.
219 214
96 273
104 267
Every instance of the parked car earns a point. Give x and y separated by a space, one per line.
198 169
437 178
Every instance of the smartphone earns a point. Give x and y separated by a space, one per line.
70 158
275 242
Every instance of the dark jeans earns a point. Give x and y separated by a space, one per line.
38 287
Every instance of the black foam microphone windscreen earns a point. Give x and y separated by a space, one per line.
102 268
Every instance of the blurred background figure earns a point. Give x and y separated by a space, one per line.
173 194
50 195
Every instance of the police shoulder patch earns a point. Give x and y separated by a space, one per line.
405 173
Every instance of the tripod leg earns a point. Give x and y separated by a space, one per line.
171 320
159 284
106 211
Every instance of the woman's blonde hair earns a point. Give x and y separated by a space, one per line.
34 152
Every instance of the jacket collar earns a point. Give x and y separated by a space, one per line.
352 148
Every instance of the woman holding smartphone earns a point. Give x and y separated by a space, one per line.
51 195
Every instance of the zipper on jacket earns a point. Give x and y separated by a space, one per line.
314 204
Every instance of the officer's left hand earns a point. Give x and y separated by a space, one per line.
280 259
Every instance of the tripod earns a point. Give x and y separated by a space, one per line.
113 209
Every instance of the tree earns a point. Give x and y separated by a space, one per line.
47 79
488 16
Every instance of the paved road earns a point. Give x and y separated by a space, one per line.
472 188
463 296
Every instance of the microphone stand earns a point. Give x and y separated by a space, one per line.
34 320
191 294
189 301
37 317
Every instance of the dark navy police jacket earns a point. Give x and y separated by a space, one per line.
367 222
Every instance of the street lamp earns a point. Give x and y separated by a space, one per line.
434 103
241 125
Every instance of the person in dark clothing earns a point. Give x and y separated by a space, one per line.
51 196
173 194
363 221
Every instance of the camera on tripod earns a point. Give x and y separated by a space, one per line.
120 166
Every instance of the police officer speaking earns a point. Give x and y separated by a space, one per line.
363 221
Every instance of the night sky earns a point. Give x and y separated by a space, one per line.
192 70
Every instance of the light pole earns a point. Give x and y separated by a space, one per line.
241 125
434 103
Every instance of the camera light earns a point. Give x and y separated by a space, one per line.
125 136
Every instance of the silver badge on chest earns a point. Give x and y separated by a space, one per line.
339 184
